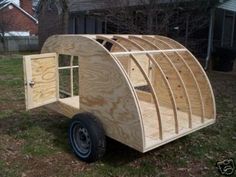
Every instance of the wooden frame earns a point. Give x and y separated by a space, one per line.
146 90
71 67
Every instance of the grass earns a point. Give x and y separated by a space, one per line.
6 171
34 143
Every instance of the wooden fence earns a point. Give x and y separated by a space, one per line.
20 43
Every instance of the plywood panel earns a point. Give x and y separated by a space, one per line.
71 101
44 76
103 93
41 71
135 74
168 132
144 96
63 108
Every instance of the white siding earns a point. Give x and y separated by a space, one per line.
229 5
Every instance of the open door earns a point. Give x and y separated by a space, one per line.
41 79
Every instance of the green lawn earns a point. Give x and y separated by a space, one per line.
34 143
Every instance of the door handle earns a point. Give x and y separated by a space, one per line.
31 83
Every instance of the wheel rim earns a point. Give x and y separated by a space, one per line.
81 140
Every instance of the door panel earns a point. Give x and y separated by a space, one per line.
41 79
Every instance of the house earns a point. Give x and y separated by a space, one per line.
73 17
17 18
179 19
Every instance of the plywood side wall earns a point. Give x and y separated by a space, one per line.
105 90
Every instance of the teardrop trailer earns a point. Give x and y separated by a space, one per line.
141 90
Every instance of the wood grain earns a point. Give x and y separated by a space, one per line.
136 76
104 89
42 70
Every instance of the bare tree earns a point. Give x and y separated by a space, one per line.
179 19
5 26
156 16
140 16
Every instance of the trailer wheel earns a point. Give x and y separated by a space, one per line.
87 137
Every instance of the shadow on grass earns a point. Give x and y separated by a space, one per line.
119 154
37 126
48 131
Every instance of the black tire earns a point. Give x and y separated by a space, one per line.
87 137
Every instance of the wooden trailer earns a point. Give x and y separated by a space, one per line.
141 90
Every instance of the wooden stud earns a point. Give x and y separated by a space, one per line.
125 68
203 82
146 52
145 76
71 76
67 67
196 104
158 67
149 83
171 64
153 94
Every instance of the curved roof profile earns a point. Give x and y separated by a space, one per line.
147 90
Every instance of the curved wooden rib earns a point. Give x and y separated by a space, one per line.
179 77
209 109
161 45
158 67
125 61
142 42
149 83
193 102
153 94
204 84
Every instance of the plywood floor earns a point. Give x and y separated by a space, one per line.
150 122
168 123
71 101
